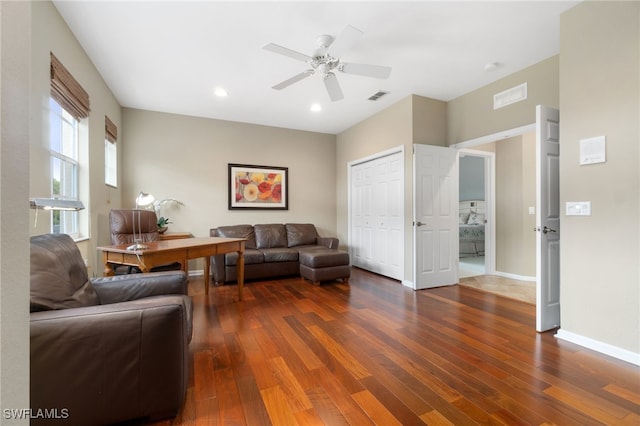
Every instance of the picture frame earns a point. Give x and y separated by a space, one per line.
258 187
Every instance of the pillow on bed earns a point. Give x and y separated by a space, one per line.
475 219
464 217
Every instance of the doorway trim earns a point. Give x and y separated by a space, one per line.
465 146
505 134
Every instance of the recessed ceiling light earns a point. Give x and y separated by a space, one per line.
316 107
490 66
220 92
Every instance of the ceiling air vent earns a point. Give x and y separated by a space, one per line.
377 95
510 96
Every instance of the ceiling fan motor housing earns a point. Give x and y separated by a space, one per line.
324 41
320 55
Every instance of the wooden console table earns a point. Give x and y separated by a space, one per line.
176 250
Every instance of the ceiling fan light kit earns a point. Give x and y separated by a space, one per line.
326 63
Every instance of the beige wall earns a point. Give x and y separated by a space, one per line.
472 115
515 192
528 236
428 117
415 119
15 42
186 158
51 34
600 95
508 205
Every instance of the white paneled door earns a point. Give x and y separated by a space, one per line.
435 185
548 218
377 215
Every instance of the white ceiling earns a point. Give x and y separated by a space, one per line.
169 56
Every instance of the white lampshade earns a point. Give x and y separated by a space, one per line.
144 199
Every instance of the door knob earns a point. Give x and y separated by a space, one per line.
420 223
545 230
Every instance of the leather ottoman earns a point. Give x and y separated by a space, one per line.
324 264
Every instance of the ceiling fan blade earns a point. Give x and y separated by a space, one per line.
333 87
348 37
376 71
276 48
294 79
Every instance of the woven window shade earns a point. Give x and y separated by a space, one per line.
67 91
110 129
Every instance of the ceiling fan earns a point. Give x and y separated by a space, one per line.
326 63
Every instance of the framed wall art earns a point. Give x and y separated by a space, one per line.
258 187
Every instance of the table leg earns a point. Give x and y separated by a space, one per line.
108 269
207 278
240 266
143 267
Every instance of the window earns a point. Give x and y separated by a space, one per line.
64 166
68 105
110 153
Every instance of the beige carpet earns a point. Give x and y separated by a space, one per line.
471 266
515 289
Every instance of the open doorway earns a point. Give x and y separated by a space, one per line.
543 211
509 209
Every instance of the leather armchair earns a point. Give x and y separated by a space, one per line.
109 349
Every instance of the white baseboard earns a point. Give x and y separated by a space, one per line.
598 346
515 276
409 284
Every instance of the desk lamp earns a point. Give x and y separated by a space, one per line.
142 200
55 204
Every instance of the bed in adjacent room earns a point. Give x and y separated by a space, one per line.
471 225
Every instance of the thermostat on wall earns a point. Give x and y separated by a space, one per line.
593 150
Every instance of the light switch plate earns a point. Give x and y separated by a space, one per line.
578 208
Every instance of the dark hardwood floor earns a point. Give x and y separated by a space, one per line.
375 352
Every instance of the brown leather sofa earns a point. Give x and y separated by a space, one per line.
104 350
274 250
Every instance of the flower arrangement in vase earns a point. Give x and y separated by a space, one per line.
162 224
164 221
